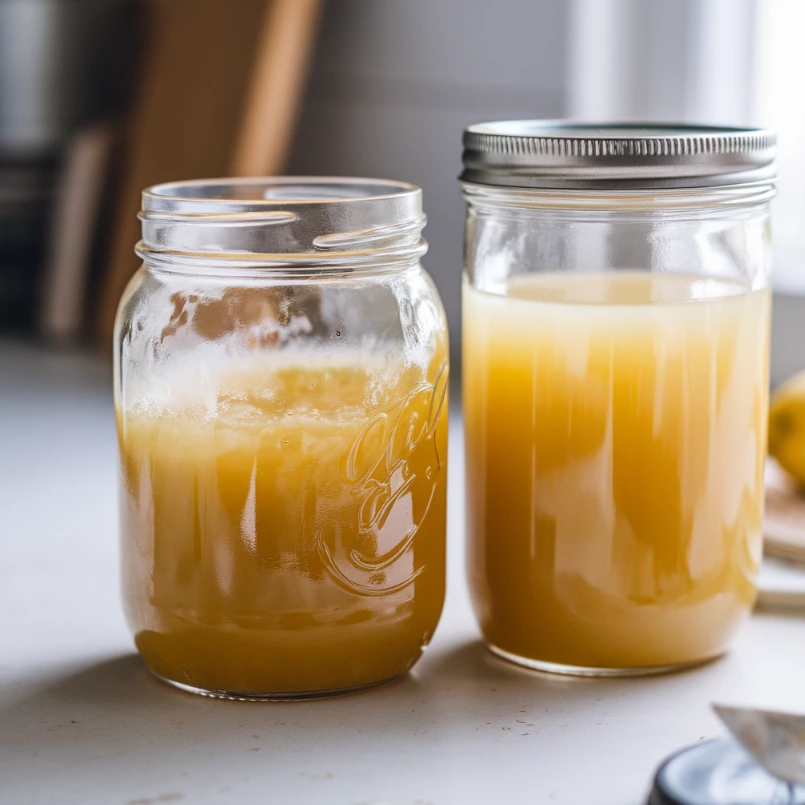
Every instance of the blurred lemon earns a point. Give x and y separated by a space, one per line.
787 426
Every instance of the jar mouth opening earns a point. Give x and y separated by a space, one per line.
268 193
284 220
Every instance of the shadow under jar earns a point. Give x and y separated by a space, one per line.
615 350
281 365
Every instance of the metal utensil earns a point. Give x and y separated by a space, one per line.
775 740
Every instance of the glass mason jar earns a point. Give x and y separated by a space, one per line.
615 372
281 365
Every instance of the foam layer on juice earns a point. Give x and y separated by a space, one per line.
615 441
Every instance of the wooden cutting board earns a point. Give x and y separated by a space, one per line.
218 94
784 521
782 575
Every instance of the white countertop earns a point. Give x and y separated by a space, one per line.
81 720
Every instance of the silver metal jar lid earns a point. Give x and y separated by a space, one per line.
545 154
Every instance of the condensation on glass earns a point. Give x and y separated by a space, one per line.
281 366
615 373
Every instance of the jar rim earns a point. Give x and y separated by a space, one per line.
226 194
289 221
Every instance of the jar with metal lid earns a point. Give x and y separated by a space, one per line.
615 389
281 366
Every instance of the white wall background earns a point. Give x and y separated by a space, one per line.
396 81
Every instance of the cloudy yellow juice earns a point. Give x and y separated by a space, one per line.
615 444
283 522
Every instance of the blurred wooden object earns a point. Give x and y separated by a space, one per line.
214 76
280 70
73 233
784 519
781 584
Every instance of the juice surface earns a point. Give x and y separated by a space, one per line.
615 445
284 528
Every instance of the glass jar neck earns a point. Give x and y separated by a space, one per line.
684 203
721 233
285 226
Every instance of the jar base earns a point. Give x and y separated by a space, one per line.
259 696
579 670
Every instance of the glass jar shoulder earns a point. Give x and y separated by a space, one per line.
180 331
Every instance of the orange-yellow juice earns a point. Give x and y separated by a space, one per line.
615 445
284 523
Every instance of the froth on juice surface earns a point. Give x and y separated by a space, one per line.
283 526
615 445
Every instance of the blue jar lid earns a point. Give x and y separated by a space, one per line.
719 772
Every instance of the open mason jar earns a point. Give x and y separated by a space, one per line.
281 366
615 370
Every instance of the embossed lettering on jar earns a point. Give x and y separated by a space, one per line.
281 395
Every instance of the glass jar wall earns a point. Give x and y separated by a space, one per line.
281 381
615 348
